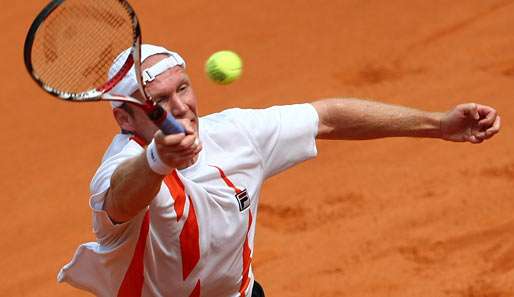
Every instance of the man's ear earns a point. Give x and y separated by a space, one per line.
124 119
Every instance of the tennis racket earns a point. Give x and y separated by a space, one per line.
72 44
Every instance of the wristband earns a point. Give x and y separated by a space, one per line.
155 162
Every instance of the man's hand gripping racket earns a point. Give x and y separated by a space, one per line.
72 44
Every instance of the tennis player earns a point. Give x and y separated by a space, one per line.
175 215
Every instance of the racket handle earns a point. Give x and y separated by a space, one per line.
170 125
164 120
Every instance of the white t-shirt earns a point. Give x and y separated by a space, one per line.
196 238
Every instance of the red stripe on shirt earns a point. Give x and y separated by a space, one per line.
189 236
189 239
190 242
139 140
132 284
196 290
247 252
247 260
176 188
227 181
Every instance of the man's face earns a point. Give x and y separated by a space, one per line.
173 91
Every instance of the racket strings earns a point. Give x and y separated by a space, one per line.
76 45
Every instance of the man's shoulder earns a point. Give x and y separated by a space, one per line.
250 116
120 149
223 115
120 143
234 115
223 119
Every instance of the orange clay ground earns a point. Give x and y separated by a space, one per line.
393 217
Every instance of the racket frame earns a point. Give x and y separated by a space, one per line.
92 94
154 111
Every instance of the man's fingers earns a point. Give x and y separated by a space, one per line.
198 148
490 123
488 119
474 139
484 109
168 140
471 122
472 110
180 158
187 143
180 141
179 145
490 131
188 126
494 128
480 135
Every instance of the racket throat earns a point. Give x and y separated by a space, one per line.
155 112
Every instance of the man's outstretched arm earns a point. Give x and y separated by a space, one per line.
362 119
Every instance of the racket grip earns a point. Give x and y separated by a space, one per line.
164 120
170 125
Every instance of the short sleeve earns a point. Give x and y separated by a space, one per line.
106 232
282 135
99 267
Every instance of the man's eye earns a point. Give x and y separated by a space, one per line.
182 88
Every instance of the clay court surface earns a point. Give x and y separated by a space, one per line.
395 217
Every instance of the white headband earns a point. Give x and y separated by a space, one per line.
128 85
149 74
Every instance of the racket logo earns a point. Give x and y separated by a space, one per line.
96 71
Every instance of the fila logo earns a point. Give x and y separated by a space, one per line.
243 199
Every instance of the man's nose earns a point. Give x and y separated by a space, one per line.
177 106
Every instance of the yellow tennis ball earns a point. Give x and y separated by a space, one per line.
224 67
